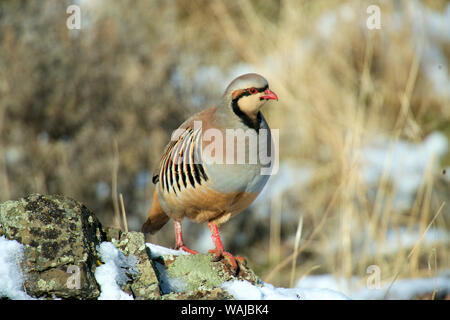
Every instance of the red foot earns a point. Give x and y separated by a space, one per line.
179 239
241 260
229 258
186 249
220 253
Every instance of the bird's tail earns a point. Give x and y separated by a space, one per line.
156 217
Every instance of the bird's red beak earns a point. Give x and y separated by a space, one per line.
269 95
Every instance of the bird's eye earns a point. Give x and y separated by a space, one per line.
252 90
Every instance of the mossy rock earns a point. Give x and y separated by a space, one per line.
60 236
145 285
198 276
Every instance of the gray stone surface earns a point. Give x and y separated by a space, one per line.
60 234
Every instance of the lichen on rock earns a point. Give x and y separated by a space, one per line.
201 276
57 232
61 236
145 285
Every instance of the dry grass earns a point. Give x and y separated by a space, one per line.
72 100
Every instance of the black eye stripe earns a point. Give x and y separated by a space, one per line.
259 89
247 93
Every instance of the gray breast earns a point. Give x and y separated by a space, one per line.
243 168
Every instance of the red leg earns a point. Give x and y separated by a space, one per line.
179 244
219 251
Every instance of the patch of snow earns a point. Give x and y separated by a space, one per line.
244 290
11 278
436 69
404 162
356 288
435 24
429 29
169 284
402 238
404 289
159 251
320 294
113 274
327 281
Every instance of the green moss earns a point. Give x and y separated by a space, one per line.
196 270
56 233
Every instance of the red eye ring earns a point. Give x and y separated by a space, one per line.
252 90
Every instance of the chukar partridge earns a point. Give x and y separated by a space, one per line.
190 184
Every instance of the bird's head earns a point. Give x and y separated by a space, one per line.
248 93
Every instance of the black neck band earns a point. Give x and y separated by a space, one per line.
251 123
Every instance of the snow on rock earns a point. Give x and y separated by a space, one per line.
11 278
169 284
159 251
244 290
113 273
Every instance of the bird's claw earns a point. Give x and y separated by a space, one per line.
231 260
241 260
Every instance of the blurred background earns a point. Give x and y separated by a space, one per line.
363 190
